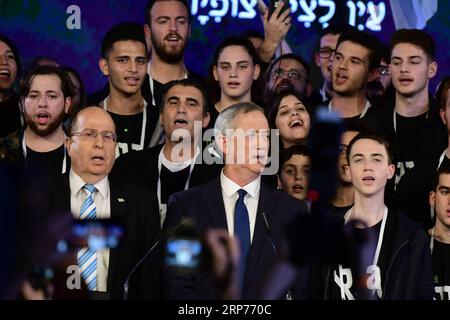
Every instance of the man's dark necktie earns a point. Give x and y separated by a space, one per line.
242 231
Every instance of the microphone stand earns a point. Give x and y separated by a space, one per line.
126 284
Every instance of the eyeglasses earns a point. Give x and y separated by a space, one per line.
384 70
325 53
291 74
91 135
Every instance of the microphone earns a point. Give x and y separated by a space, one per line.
127 280
266 222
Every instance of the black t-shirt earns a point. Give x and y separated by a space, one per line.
407 129
349 277
129 129
445 162
353 121
45 165
172 182
441 270
9 116
158 88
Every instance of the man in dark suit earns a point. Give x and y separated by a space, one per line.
88 193
238 202
177 164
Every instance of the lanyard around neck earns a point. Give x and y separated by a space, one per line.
64 164
144 121
394 120
186 186
380 236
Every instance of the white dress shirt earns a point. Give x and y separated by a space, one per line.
230 195
102 202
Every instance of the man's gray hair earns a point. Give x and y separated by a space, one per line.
225 120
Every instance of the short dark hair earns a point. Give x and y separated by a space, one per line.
13 48
26 82
185 83
368 41
240 41
122 32
371 136
444 168
334 29
273 110
337 29
150 4
442 91
415 37
287 154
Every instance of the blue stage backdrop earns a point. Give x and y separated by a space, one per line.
50 28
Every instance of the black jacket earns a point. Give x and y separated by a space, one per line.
411 193
405 263
137 210
205 204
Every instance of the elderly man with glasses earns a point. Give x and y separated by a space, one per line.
88 193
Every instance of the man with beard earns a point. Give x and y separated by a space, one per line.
355 62
45 95
124 62
168 28
9 102
287 72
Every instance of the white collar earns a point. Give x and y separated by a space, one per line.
177 166
76 184
230 187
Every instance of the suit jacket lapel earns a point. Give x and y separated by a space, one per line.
212 195
119 206
267 205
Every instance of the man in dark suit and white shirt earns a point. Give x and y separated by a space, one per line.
88 193
238 202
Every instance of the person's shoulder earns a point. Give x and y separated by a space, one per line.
135 157
407 226
195 193
284 201
131 189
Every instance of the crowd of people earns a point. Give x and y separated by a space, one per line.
161 149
